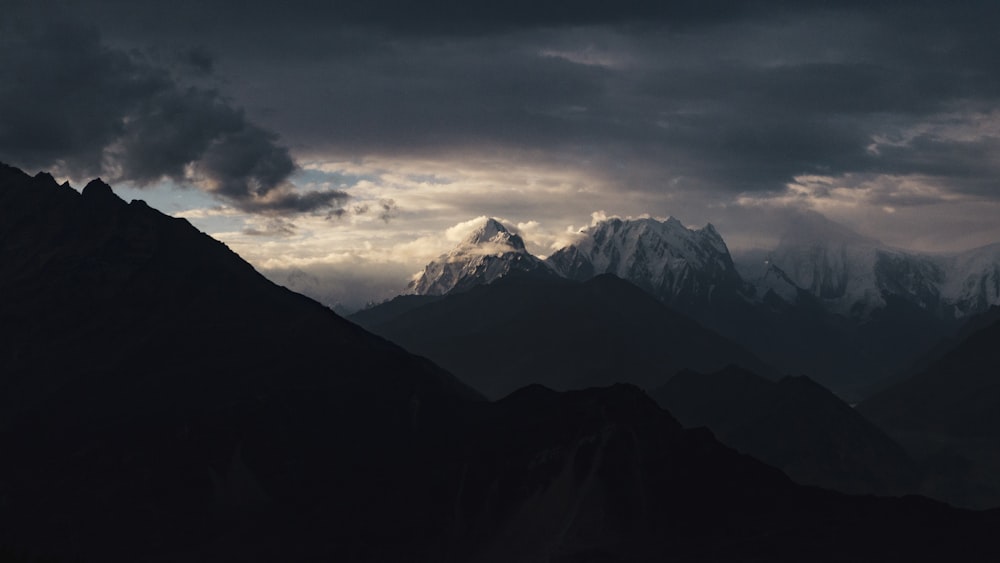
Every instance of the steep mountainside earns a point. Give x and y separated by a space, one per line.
792 424
156 392
487 254
562 334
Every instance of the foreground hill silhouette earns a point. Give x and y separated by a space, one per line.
152 379
563 334
163 402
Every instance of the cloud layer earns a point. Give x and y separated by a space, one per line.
70 103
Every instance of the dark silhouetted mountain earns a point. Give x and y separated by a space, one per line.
605 475
389 310
949 414
156 392
929 355
490 252
563 334
957 394
795 425
161 401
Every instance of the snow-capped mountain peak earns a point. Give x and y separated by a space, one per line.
493 232
488 253
664 257
854 275
973 282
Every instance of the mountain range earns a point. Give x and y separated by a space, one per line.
680 335
826 302
560 333
162 401
850 274
856 276
860 317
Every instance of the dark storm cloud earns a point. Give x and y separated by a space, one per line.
199 59
62 96
720 96
741 102
437 17
970 167
71 103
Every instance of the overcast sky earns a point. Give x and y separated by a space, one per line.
348 139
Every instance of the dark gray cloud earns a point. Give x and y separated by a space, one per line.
454 17
63 97
272 227
387 209
701 96
70 103
734 103
199 59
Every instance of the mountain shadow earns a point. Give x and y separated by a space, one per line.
949 413
562 334
793 424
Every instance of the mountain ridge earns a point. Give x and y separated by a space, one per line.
665 258
554 331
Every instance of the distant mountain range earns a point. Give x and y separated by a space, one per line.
162 401
825 302
849 274
865 320
857 276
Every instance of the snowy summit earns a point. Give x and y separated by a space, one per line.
488 253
